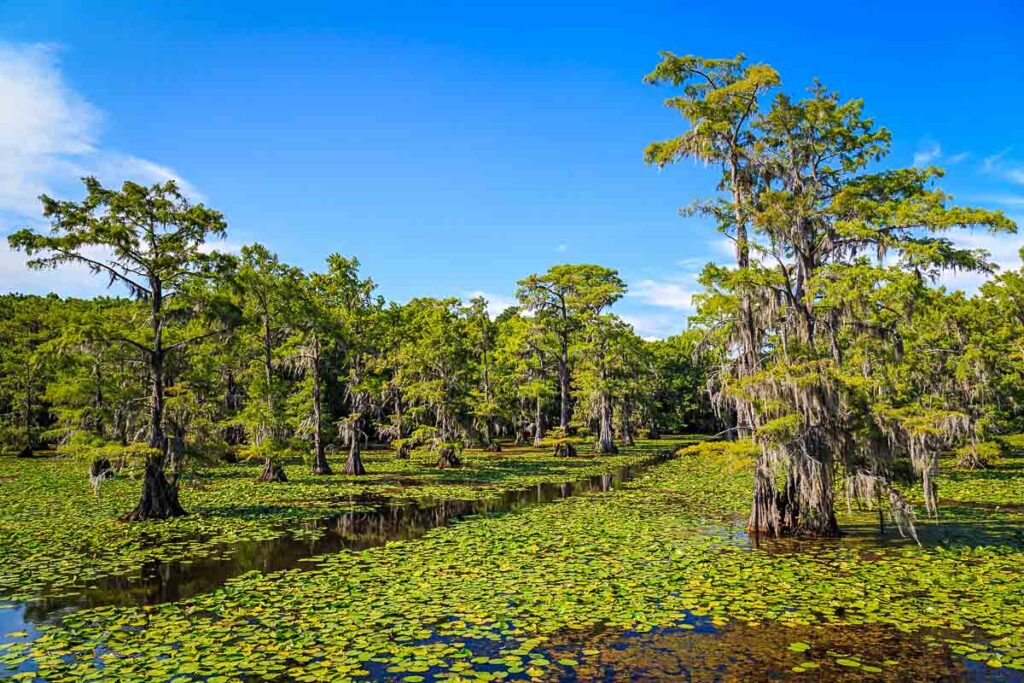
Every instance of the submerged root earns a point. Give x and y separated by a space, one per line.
448 459
159 497
354 464
272 472
565 449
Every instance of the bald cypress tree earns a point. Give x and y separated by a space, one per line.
149 240
837 257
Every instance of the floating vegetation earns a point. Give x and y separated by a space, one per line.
499 597
58 537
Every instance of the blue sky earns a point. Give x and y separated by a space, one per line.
457 147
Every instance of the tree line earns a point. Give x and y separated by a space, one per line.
242 355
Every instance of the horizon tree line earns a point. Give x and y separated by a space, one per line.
243 355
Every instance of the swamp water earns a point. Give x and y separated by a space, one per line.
696 648
386 520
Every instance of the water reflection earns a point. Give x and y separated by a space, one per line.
388 520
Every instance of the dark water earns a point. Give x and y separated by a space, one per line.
697 650
389 520
701 651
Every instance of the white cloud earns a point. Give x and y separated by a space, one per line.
1001 199
562 248
49 138
45 127
68 280
652 326
496 303
1004 251
991 163
998 165
658 307
1004 248
224 246
666 293
724 246
927 153
113 169
692 263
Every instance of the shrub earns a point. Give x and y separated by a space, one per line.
979 455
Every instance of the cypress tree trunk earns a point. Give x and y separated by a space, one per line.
626 424
563 385
159 496
538 423
354 464
766 517
653 433
320 464
565 449
521 431
272 472
796 509
30 441
448 459
605 441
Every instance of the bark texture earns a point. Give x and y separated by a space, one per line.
448 459
159 496
354 464
272 472
565 449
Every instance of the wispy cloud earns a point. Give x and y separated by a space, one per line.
562 248
496 303
930 152
50 136
1003 249
1000 166
927 153
46 129
1011 200
655 325
658 307
68 280
667 294
991 163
